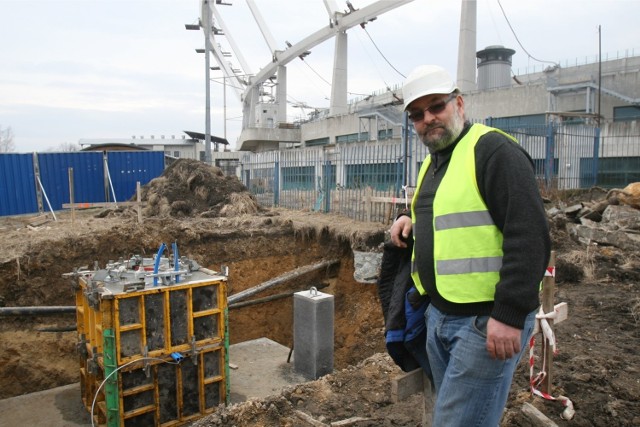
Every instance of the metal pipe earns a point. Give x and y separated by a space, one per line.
271 297
281 279
68 328
35 310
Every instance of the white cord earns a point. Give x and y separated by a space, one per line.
95 397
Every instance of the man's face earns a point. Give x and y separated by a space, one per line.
438 119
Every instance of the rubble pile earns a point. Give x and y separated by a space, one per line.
190 188
612 221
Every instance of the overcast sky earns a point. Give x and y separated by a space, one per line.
81 69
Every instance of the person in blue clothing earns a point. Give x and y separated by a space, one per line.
480 248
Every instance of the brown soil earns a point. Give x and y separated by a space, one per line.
596 366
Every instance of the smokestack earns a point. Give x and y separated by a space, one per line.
494 67
467 47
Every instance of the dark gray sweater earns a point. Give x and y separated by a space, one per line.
506 180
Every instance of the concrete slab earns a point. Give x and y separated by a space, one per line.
262 370
57 407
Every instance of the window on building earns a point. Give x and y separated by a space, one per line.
626 113
613 172
176 154
316 142
541 164
379 176
353 137
298 178
534 124
385 134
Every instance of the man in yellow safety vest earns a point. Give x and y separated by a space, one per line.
481 246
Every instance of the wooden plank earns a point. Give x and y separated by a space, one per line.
427 402
99 205
392 200
410 383
562 313
548 293
535 417
406 384
37 221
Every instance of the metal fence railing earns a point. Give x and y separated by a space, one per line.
367 181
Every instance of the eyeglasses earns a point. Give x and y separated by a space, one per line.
433 109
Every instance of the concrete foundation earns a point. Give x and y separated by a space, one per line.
260 369
313 314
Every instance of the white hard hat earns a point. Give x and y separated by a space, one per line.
425 80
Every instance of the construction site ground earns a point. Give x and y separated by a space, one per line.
597 365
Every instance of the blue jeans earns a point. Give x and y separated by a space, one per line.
471 387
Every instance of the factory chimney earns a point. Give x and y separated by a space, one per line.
467 47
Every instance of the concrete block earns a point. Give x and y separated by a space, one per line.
313 314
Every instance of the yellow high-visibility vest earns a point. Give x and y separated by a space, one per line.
467 244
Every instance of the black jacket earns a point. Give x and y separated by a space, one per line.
403 309
506 180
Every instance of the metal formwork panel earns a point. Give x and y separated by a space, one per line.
151 354
171 393
168 319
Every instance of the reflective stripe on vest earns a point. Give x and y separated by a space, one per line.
467 244
462 219
469 265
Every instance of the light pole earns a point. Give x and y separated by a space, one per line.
206 26
224 99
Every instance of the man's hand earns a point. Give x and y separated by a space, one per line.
503 341
400 231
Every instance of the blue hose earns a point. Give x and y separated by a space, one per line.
156 264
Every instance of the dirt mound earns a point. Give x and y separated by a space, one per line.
190 188
359 396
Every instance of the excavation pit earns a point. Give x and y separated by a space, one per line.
255 248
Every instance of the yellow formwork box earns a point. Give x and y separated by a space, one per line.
152 355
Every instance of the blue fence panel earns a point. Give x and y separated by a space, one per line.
88 177
17 185
128 167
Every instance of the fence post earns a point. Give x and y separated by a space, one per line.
549 160
326 177
548 292
596 150
36 174
276 183
71 196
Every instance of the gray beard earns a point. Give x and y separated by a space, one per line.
450 134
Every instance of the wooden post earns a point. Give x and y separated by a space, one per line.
139 199
368 194
408 383
71 200
427 400
548 291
